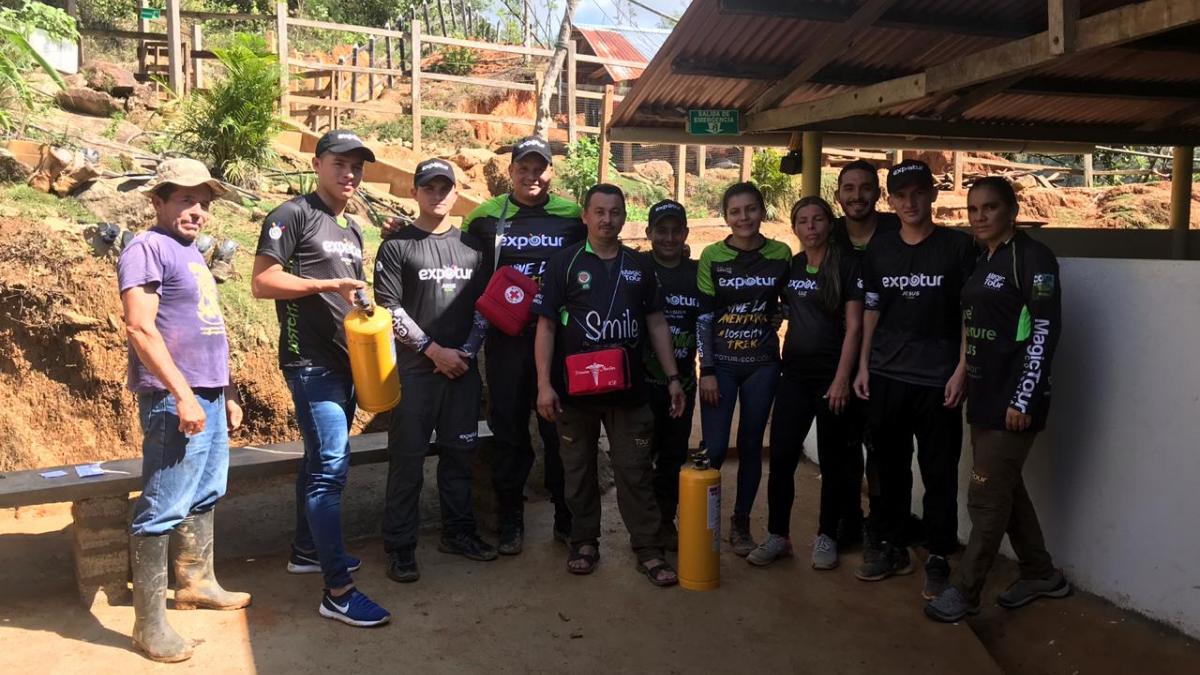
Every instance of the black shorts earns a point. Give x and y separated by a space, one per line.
431 403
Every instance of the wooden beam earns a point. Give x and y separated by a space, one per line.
175 48
475 44
606 113
676 135
281 44
1018 131
833 43
1107 29
1089 173
997 26
680 173
744 171
572 91
701 160
866 99
415 37
197 63
1062 17
345 27
958 171
810 161
1181 199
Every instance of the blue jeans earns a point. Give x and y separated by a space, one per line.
324 402
180 475
755 387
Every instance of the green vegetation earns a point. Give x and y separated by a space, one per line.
17 57
399 128
114 125
778 188
232 123
704 198
39 205
581 169
456 61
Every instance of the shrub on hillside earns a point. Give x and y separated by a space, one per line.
581 169
232 124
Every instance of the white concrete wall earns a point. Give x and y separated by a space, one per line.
1116 475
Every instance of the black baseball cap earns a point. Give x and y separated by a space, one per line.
909 172
433 168
668 208
341 141
531 145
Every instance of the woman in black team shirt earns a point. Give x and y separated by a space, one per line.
739 280
823 301
1012 313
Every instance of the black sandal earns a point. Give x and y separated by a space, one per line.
592 559
654 574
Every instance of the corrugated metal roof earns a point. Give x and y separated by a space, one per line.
609 43
722 58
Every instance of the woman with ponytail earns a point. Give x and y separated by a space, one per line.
823 298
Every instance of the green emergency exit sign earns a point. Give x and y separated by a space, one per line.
149 13
713 122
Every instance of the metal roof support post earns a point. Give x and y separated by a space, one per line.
810 165
1181 200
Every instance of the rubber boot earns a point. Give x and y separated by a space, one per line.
739 536
152 635
197 586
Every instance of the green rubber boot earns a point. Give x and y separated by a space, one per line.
152 635
197 586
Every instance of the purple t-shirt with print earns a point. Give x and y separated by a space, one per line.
189 309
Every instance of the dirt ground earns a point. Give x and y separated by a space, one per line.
527 614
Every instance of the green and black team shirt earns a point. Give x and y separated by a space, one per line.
812 345
430 283
600 304
534 233
739 295
681 307
915 289
1012 310
305 237
884 222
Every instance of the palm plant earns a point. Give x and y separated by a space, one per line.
233 122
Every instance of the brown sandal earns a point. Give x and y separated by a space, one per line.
592 559
655 574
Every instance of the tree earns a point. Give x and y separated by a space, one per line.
554 70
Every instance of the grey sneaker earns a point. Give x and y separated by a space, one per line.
1024 591
937 577
950 606
881 563
825 553
739 536
774 548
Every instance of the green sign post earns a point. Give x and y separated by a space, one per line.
713 122
150 13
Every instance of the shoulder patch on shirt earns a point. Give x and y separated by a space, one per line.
1043 285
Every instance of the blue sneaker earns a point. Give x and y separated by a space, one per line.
308 563
354 609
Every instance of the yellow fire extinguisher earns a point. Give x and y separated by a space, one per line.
372 355
700 525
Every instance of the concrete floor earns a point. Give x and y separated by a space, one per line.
526 614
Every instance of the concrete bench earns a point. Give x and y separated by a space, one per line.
100 505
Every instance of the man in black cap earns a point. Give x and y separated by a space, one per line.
676 272
912 372
309 260
522 229
429 275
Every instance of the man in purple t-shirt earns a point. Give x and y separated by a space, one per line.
179 369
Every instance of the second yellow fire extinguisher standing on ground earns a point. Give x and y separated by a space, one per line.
699 525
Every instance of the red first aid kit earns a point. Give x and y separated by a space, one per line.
507 302
598 372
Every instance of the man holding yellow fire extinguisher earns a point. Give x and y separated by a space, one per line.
309 260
